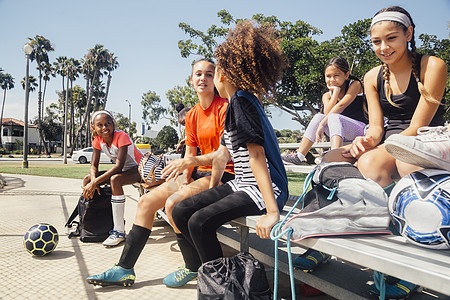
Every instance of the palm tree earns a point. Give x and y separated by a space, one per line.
73 69
93 62
41 47
60 68
6 83
32 81
112 64
48 70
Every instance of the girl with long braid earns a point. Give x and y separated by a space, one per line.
407 90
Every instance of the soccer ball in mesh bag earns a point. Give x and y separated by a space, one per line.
41 239
420 208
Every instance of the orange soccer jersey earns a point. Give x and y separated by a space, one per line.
204 128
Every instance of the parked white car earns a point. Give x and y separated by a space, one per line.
84 156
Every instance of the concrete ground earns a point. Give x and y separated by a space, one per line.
27 200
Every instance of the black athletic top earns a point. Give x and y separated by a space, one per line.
399 118
355 110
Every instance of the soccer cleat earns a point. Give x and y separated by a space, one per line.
395 289
179 277
293 159
114 239
309 260
114 276
430 148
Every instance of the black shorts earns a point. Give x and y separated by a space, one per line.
196 174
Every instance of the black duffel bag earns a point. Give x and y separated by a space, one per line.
238 277
95 220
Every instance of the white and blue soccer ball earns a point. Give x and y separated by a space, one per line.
420 208
41 239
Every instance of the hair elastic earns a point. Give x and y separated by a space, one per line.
392 16
98 112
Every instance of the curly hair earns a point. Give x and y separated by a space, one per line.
251 58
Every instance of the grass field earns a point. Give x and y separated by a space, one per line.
79 171
53 170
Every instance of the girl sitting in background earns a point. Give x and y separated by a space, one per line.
343 116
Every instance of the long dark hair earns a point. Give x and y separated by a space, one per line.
342 64
209 60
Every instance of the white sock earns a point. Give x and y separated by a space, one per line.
118 212
300 156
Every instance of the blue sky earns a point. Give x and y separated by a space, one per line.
144 36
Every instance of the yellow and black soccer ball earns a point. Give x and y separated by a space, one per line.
41 239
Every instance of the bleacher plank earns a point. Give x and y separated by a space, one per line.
388 254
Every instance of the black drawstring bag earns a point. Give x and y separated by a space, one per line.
231 278
96 220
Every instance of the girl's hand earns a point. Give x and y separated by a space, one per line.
265 223
174 168
319 132
359 146
89 190
334 89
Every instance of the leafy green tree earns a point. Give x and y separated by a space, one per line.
431 45
123 123
286 132
167 138
51 124
152 109
302 85
181 94
6 83
208 40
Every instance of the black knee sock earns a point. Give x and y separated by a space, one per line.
134 244
190 255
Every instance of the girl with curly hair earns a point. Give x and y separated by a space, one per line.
249 62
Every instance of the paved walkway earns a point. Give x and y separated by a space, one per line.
27 200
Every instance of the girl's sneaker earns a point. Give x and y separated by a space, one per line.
114 239
396 288
309 260
430 148
180 277
114 276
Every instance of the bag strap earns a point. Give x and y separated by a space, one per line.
72 216
159 159
277 232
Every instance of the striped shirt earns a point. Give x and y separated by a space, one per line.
243 126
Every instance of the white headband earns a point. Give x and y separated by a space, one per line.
391 16
98 112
